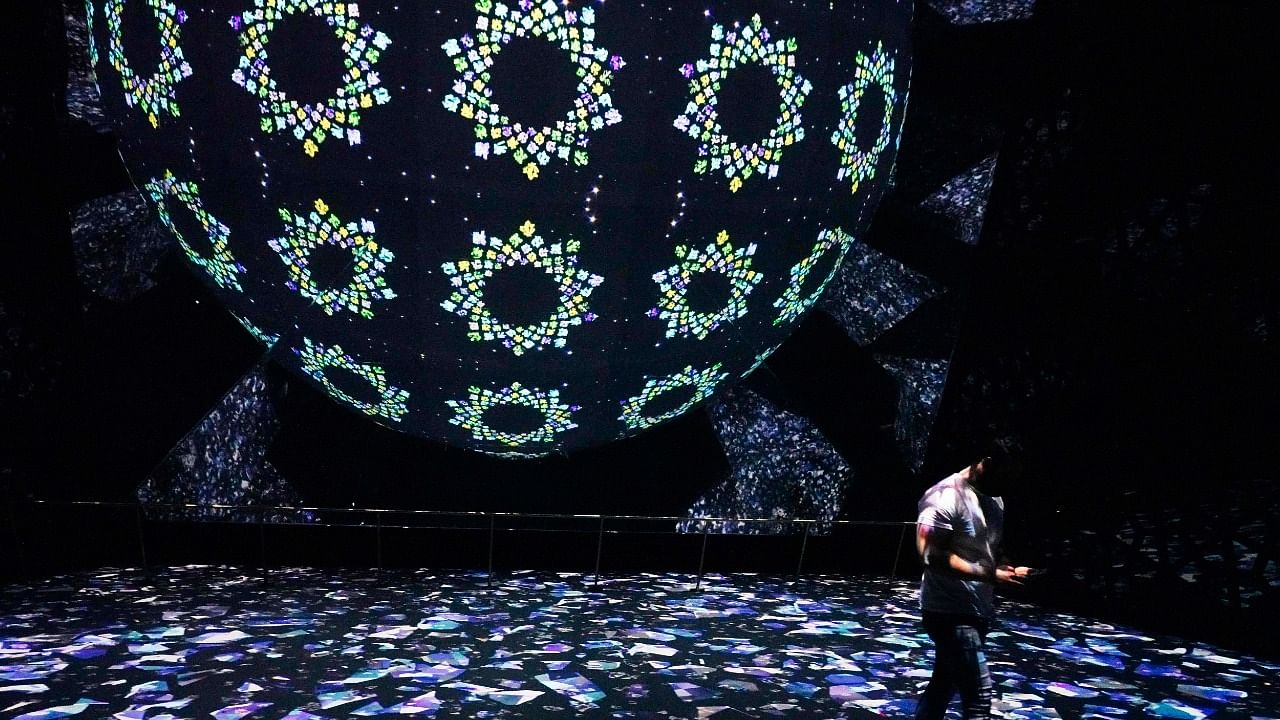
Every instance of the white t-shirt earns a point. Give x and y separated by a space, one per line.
976 523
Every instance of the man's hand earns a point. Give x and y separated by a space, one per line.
933 545
1010 575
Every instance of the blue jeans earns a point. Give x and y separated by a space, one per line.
959 665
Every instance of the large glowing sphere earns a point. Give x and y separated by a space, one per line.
520 227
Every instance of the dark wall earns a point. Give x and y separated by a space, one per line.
1123 316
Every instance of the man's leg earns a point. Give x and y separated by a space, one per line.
937 694
972 677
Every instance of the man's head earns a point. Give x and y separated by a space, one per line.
997 471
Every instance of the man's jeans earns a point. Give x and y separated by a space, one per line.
959 664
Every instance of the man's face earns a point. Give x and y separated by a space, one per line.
997 479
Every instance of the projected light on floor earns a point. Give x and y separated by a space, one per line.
211 642
521 227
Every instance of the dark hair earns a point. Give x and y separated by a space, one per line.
1002 461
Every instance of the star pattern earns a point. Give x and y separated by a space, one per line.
360 87
703 382
493 254
856 164
794 301
317 359
717 152
220 264
155 94
304 234
469 414
496 133
673 285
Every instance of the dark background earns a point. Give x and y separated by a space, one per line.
1119 321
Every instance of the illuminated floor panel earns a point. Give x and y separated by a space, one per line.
197 642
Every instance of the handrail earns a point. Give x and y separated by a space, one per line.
704 525
460 513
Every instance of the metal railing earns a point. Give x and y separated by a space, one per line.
487 521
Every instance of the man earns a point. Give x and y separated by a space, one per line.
958 536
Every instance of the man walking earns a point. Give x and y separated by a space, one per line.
958 536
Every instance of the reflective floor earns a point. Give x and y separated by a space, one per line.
195 642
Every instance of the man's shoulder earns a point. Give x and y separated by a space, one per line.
942 503
945 490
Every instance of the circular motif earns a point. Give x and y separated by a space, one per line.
154 94
857 164
305 233
718 257
493 254
703 382
700 120
317 358
556 417
221 265
496 133
794 302
339 114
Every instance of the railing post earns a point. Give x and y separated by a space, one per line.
262 547
142 538
803 543
902 537
702 560
599 550
378 532
489 578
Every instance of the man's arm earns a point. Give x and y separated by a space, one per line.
1021 571
934 546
